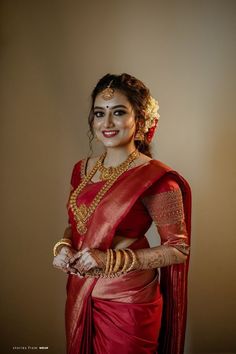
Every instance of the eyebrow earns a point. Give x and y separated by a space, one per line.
119 105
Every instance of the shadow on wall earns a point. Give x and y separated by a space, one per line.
214 252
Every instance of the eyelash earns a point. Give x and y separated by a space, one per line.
100 114
97 114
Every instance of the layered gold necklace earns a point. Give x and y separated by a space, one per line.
83 212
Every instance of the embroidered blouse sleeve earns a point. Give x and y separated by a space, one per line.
164 203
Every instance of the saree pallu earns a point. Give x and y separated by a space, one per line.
125 314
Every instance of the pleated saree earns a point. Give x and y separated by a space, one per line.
141 312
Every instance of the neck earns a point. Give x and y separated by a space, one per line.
117 155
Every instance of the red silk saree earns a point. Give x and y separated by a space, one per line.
135 313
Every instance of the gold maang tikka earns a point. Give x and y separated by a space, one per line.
108 92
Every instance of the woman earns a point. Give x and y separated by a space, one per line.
115 301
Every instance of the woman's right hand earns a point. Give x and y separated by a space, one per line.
61 260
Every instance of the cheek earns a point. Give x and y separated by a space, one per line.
96 124
128 123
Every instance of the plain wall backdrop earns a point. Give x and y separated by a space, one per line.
52 54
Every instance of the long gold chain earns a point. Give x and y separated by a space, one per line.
83 212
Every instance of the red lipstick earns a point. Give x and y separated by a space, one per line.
110 133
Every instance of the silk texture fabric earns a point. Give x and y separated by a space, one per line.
134 313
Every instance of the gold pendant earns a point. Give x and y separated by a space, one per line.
81 217
106 173
81 228
82 212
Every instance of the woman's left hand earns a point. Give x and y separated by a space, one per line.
88 259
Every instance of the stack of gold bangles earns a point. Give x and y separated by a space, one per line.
118 261
115 266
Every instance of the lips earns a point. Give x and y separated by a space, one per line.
110 133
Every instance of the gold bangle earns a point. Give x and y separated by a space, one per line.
118 261
134 258
125 261
107 261
66 239
58 244
111 261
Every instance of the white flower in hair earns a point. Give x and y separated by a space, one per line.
151 114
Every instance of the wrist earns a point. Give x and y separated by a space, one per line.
68 232
63 242
117 262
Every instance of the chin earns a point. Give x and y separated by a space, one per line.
110 144
115 142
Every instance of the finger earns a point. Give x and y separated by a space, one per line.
81 263
89 261
59 260
78 255
71 269
75 257
77 268
65 250
60 268
87 265
83 259
61 263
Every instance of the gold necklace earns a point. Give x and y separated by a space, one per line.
83 212
108 172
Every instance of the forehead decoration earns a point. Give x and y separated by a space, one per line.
108 92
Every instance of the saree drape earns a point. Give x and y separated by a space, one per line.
127 314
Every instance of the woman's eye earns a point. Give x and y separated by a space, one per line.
98 114
119 113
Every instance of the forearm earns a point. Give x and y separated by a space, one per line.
68 232
160 256
93 262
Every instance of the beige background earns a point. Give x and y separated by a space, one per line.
52 54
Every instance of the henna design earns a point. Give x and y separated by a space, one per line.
99 257
160 256
88 259
183 247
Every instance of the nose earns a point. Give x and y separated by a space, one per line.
108 120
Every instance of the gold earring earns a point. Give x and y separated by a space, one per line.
139 135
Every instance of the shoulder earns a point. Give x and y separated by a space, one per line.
83 166
170 179
171 184
77 166
167 183
161 165
76 174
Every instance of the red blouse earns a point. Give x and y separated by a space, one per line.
162 204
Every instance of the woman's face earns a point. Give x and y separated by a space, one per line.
114 120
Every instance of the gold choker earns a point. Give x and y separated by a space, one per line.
109 172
